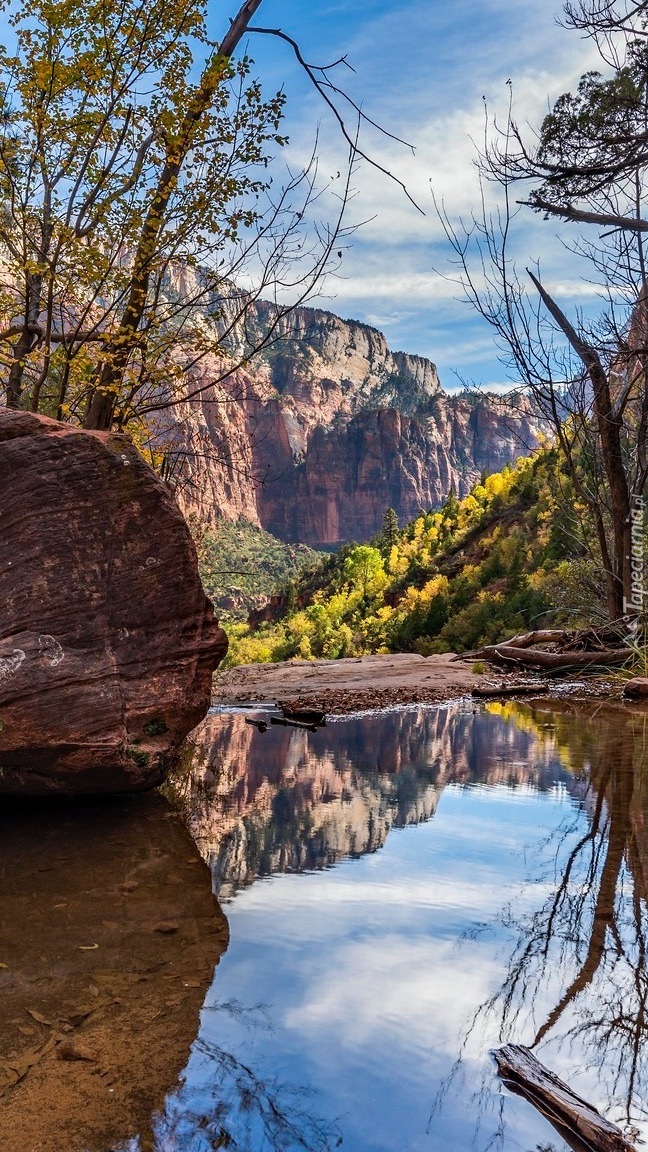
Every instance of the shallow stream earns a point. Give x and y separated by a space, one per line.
405 891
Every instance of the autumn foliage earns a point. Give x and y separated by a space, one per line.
511 555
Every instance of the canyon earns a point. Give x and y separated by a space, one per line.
325 428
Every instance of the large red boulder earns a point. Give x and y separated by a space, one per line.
107 640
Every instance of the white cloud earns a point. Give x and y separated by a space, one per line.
422 72
369 1002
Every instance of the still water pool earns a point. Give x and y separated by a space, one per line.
405 891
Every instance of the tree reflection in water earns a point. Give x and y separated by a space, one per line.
223 1103
575 981
584 950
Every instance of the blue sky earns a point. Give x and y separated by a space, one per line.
422 71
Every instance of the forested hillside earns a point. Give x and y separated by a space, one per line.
511 555
241 566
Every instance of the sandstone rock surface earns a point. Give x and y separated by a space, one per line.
107 641
637 688
354 683
328 427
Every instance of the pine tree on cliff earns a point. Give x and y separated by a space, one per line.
389 532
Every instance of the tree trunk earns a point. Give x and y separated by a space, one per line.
25 342
609 427
16 372
119 349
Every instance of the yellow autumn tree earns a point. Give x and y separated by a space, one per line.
136 185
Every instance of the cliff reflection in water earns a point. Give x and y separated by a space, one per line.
288 800
518 914
527 919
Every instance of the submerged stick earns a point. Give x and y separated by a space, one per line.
577 1121
284 723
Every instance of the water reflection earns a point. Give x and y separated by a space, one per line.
356 1004
583 950
290 801
521 917
109 935
226 1103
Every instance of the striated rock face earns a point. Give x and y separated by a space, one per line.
107 641
329 428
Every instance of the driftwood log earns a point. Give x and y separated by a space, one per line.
557 650
508 654
284 722
579 1124
308 719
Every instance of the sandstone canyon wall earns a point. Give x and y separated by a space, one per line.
327 428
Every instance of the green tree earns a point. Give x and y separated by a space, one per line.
136 185
99 114
450 509
388 535
364 569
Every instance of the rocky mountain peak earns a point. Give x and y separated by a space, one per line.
327 428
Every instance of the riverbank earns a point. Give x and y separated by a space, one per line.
360 683
350 685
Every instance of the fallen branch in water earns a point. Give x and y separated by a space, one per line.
577 1121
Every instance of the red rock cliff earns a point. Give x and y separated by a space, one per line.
330 428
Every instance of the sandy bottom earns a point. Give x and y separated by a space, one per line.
338 686
109 935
